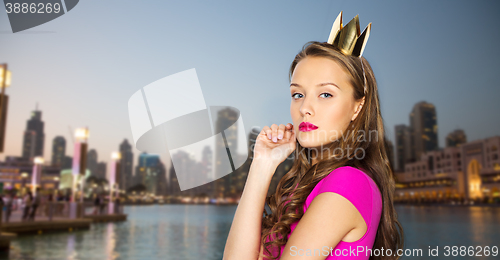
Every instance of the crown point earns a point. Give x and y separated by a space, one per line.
337 26
349 39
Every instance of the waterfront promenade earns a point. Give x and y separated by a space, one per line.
59 222
60 219
42 224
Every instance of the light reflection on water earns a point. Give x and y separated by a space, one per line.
200 231
440 226
151 232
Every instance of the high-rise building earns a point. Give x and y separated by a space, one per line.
58 151
100 172
191 169
68 162
389 147
241 174
92 161
224 123
148 171
29 144
424 129
173 188
206 170
34 136
161 184
456 138
126 165
194 171
404 147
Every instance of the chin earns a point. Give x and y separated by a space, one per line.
308 143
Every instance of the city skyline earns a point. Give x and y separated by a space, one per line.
57 139
85 85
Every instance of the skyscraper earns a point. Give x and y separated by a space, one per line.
126 165
404 147
29 139
225 118
206 167
161 183
67 162
148 170
58 151
241 174
456 138
173 188
423 123
92 161
101 171
34 136
187 164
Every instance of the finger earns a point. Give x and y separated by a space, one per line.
274 128
288 132
267 131
281 131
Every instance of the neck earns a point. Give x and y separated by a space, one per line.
321 152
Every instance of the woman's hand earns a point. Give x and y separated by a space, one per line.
274 144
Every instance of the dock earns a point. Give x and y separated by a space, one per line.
107 218
44 226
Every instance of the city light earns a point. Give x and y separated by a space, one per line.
115 156
8 77
82 134
38 160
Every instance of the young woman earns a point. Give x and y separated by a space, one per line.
337 199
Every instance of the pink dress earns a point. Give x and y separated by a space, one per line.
356 186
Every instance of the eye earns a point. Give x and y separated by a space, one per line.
295 94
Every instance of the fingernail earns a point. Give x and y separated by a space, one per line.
280 136
275 140
269 136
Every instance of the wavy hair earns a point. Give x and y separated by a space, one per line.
370 156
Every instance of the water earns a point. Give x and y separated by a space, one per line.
199 232
151 232
439 226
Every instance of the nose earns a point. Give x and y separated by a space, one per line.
306 108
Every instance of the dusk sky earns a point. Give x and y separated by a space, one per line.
82 67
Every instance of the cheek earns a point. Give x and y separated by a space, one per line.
337 117
294 110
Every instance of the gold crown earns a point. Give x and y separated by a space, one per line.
348 38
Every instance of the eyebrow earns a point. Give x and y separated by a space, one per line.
319 85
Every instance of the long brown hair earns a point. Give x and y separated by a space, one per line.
367 153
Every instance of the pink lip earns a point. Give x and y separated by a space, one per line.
306 127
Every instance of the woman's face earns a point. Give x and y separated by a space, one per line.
323 96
